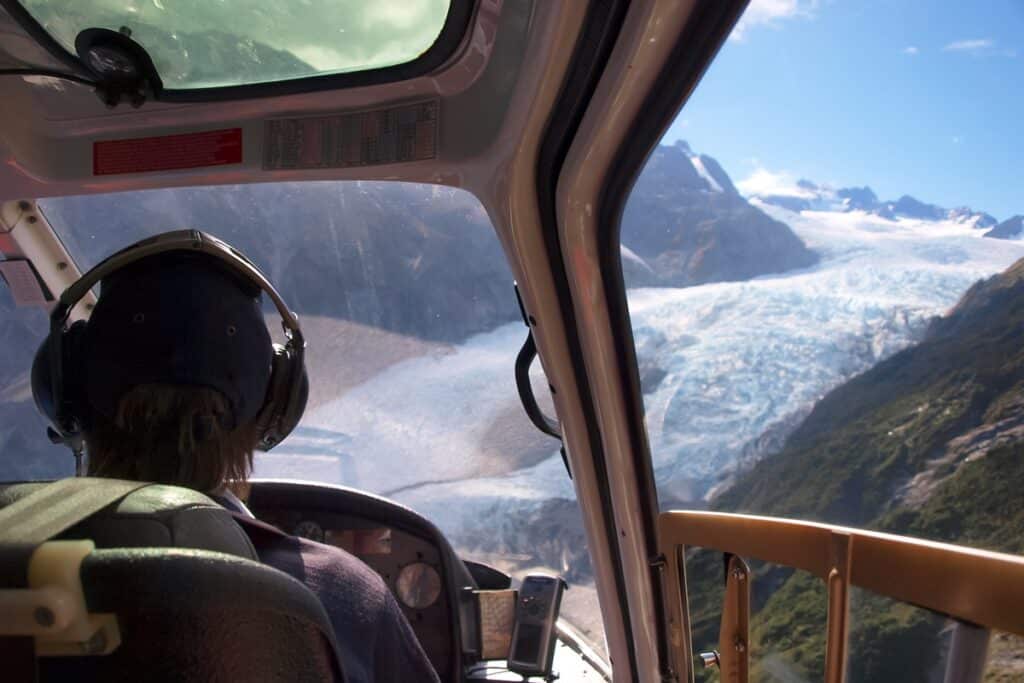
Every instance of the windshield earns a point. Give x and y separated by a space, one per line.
211 43
824 278
407 306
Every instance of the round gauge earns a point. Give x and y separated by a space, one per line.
307 528
419 585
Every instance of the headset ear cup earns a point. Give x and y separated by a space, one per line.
72 379
297 405
281 410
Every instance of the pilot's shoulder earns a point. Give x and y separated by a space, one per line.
333 574
338 564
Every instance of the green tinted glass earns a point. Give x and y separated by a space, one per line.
210 43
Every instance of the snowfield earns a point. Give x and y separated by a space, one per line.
729 370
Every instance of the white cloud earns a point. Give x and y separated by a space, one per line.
974 45
763 182
910 50
771 12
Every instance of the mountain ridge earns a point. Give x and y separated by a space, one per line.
689 225
810 196
1010 229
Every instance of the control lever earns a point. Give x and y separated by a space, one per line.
533 639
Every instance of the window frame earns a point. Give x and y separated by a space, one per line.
457 25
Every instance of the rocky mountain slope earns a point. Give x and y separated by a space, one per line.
686 224
414 259
929 442
1010 229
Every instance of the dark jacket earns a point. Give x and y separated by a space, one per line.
375 641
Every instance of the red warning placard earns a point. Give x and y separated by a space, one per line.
167 152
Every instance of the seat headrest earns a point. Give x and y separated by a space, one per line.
156 516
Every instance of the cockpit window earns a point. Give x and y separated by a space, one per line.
824 263
22 428
216 43
412 327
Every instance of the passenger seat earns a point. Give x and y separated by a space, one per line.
192 602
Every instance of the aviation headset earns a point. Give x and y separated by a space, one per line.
56 371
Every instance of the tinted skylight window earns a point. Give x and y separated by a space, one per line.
211 43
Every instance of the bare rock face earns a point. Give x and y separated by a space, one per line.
419 260
690 226
1010 229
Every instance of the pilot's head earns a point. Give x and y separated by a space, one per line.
177 359
174 378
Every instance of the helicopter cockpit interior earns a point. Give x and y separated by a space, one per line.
589 409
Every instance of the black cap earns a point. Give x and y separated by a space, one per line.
178 318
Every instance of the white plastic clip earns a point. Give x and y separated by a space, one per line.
53 607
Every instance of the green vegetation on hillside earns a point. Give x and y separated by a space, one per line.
928 443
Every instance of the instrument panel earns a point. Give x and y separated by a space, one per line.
411 566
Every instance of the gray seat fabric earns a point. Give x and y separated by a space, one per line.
193 615
157 516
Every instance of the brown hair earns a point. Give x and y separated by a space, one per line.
171 435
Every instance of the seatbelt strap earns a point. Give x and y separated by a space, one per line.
55 508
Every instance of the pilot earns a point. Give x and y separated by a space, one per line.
178 364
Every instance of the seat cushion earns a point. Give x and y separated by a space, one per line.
156 516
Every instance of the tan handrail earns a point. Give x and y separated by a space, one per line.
975 586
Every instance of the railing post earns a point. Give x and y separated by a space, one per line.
734 634
968 653
838 581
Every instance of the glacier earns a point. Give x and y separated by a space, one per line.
729 370
735 367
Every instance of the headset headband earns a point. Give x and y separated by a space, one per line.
179 240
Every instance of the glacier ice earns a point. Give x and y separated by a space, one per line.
737 365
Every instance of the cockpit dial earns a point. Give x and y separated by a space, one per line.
418 585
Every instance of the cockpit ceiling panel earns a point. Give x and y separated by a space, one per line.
227 49
58 138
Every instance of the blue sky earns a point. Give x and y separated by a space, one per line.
919 98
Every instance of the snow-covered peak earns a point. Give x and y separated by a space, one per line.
676 167
683 146
977 219
806 195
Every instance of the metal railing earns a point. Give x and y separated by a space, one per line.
981 590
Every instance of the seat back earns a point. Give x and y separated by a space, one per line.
205 611
192 615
